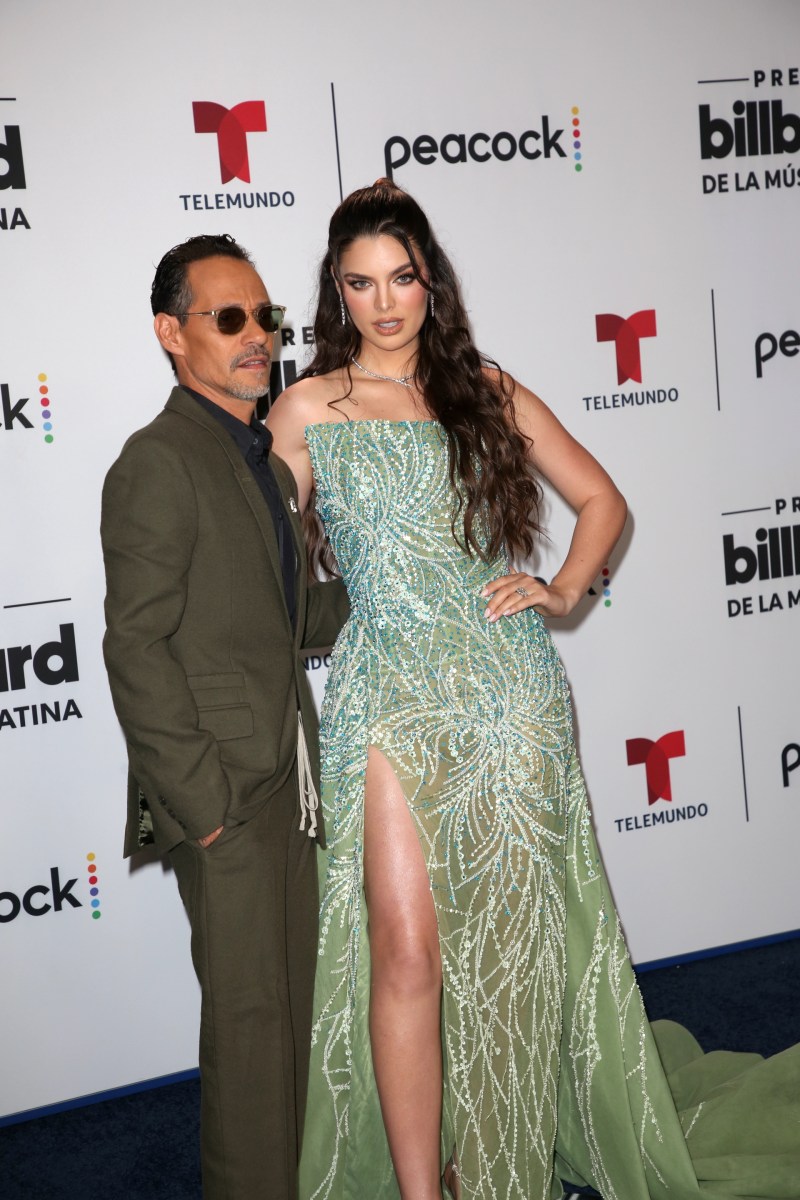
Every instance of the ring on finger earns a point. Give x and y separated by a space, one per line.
522 591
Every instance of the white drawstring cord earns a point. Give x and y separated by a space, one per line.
309 800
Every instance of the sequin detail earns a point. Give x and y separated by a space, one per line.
475 718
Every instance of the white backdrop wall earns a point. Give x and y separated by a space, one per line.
682 207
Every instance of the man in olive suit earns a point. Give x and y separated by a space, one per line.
208 606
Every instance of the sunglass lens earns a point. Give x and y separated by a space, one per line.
270 317
231 320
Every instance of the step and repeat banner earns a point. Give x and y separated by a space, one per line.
618 185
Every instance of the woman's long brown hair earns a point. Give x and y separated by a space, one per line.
497 494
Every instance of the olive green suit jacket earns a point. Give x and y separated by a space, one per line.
204 666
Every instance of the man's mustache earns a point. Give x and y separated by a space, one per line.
251 352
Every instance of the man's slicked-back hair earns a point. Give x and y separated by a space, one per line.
170 292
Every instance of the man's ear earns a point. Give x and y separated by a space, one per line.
168 331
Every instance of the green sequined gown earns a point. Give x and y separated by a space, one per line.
550 1067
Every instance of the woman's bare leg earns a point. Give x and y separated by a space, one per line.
406 989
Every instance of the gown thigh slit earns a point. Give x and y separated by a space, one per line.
550 1068
405 966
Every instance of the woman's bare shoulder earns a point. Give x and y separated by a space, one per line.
522 398
500 378
308 401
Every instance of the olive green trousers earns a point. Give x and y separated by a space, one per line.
252 901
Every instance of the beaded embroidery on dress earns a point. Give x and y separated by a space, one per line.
550 1068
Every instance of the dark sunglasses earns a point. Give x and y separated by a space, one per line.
233 319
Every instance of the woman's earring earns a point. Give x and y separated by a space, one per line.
344 310
432 304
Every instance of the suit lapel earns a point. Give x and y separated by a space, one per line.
180 402
288 489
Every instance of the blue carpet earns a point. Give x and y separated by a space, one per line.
144 1146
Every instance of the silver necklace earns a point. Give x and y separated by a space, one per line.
403 380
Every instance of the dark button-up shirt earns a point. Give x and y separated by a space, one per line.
254 441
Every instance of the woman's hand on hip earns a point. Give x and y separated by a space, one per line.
513 593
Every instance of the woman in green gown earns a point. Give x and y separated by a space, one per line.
477 1022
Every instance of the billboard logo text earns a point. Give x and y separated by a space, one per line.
758 127
53 663
12 167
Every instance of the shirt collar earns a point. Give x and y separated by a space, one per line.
247 437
